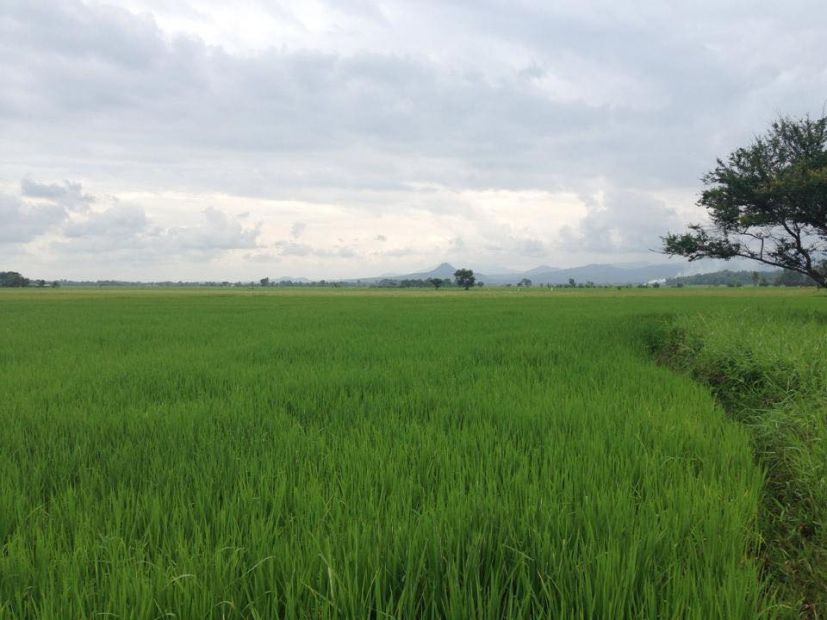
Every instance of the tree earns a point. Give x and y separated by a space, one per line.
524 282
464 278
792 278
13 279
572 283
265 281
435 282
767 203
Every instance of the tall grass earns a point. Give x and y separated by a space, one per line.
767 369
364 455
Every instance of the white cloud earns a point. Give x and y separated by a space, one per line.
67 194
22 222
621 222
290 248
484 131
297 229
118 222
216 231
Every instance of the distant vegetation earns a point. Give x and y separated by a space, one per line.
10 279
743 278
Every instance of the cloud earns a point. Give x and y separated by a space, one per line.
22 221
59 214
38 209
530 247
68 195
384 116
570 93
511 245
290 248
216 231
118 222
297 229
262 257
399 252
620 221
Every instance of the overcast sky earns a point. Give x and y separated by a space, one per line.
155 139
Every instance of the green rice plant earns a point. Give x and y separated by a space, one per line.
422 454
767 370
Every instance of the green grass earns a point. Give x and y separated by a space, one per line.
767 369
215 454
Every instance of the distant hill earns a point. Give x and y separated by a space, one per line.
442 271
445 270
542 269
597 274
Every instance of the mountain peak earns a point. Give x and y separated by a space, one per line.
444 270
542 269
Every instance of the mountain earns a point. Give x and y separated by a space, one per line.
445 270
599 274
538 270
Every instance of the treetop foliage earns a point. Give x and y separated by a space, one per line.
13 279
767 202
464 278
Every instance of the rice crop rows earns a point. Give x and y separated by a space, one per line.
213 454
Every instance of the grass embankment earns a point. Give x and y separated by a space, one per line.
480 454
767 368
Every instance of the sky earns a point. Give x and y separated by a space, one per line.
205 140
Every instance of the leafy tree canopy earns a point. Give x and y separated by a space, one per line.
464 278
13 279
767 202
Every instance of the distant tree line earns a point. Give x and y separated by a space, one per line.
413 283
727 277
12 279
465 279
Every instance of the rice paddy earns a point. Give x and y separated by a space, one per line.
416 454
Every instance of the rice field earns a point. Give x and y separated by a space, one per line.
416 454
